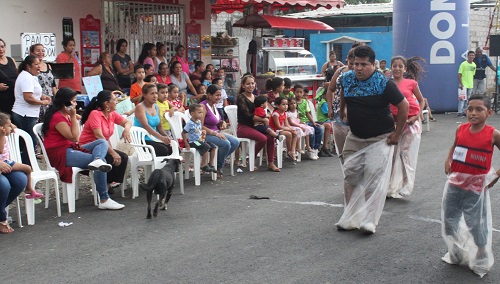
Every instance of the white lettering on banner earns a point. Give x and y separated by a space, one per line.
48 40
442 43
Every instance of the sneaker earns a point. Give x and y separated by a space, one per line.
316 151
368 228
432 119
311 155
100 165
281 138
206 168
110 204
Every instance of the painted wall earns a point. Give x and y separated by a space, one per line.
381 42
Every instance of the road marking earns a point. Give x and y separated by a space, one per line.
319 203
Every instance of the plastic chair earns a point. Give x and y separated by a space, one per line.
70 190
426 117
232 114
175 122
145 156
36 175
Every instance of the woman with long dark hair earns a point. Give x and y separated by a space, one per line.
148 52
29 98
99 119
180 57
122 64
8 75
105 71
61 130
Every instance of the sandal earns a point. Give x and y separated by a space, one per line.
274 169
289 155
34 195
5 228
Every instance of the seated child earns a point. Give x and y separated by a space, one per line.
164 106
260 111
173 98
5 130
279 123
149 69
151 79
223 99
136 88
287 93
323 119
206 77
301 129
194 137
306 117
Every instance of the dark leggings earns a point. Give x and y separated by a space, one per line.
117 173
161 149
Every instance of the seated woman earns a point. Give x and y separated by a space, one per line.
246 119
104 69
212 124
12 183
147 116
99 119
61 130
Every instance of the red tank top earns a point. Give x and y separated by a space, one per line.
473 151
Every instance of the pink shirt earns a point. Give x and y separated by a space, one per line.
5 155
97 120
407 87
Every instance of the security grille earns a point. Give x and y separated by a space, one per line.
139 23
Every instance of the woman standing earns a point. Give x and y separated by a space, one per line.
69 55
45 77
61 131
29 98
147 54
212 124
179 57
122 64
246 119
104 70
147 116
8 75
99 121
161 52
331 66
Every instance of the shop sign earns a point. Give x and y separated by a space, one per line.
48 40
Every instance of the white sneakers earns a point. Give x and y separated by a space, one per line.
100 165
312 155
110 204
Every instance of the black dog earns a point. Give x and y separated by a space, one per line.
161 182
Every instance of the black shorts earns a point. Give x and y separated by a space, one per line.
262 128
202 147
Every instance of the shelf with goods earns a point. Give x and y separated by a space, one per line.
221 59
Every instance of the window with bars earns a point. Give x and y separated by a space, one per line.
139 23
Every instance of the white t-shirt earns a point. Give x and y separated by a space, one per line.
26 83
223 97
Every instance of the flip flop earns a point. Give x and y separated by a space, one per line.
34 195
5 228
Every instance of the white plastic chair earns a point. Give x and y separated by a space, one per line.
232 114
70 190
313 110
425 112
36 175
175 122
145 156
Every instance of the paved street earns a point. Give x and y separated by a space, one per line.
216 234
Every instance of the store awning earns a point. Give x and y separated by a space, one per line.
230 6
257 21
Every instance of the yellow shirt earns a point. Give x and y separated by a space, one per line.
164 108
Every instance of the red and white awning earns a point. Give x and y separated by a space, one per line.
257 21
230 6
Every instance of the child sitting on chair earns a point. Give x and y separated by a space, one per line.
260 111
194 137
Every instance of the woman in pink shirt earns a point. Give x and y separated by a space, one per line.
406 73
148 52
179 56
99 121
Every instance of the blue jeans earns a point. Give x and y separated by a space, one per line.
99 149
25 123
225 148
462 105
11 185
316 138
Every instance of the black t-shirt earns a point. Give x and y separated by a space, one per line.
245 110
123 80
368 102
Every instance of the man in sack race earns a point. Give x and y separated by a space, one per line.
368 149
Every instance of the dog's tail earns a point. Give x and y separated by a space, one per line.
152 182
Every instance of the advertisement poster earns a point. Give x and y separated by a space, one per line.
206 45
90 38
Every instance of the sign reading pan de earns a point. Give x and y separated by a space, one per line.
48 40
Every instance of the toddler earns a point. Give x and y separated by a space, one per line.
194 136
164 106
301 129
173 98
279 123
287 93
260 111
